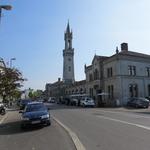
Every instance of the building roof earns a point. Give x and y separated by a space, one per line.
99 58
89 67
77 83
80 82
131 53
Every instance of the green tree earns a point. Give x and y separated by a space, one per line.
11 80
31 93
35 94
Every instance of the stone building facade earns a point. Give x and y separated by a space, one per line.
56 89
122 75
78 87
95 78
109 80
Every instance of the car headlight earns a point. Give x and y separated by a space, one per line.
45 116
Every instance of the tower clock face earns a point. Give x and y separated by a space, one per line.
69 59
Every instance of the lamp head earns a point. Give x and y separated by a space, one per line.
6 7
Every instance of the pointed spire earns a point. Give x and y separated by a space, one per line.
84 66
68 27
117 51
95 52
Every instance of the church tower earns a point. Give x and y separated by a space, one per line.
68 57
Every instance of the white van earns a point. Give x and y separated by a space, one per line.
87 101
52 100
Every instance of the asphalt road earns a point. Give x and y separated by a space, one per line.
107 129
12 137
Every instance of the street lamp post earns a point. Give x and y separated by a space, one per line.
5 7
11 61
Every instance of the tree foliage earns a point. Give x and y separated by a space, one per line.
11 80
35 94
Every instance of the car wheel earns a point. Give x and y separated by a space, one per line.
48 123
3 112
146 106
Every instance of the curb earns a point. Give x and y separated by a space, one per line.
3 118
75 139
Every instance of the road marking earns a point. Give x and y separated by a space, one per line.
74 137
2 120
125 114
125 122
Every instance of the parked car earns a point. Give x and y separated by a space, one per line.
148 97
138 102
2 109
74 102
24 102
35 113
87 101
52 100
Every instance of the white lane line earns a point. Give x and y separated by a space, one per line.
125 122
2 120
74 137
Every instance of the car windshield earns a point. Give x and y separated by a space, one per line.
143 99
25 101
35 107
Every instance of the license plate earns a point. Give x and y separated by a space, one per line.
35 122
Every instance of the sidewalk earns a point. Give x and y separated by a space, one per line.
2 118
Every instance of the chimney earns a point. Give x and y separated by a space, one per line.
124 47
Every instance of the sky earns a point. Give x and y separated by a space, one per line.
33 33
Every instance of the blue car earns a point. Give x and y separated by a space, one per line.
35 113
